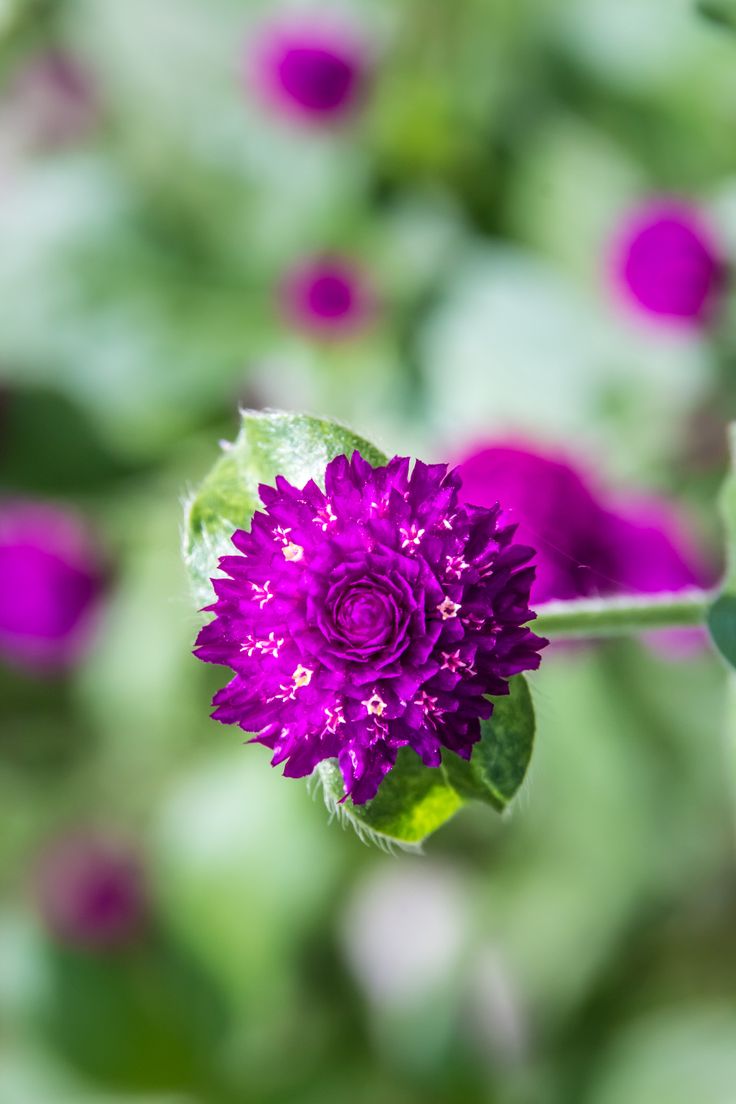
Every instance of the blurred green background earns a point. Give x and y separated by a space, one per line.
582 949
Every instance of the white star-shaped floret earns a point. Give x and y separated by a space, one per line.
452 662
302 677
448 608
292 552
262 594
375 704
325 518
455 565
334 717
411 537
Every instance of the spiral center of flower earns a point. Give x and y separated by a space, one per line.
363 615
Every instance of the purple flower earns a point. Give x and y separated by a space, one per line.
310 71
90 890
667 264
371 616
326 296
656 551
586 544
554 509
50 583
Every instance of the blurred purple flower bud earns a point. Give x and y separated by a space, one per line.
667 264
555 510
327 296
51 580
656 553
313 72
51 101
91 892
586 544
655 548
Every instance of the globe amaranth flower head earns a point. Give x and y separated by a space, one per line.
51 582
667 264
91 891
327 296
375 615
312 71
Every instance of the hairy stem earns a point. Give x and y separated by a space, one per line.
622 615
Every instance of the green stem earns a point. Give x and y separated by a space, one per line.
623 615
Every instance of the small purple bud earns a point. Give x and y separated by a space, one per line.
312 72
326 296
667 264
51 580
91 892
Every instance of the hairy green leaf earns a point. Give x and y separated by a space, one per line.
501 757
415 800
270 443
412 802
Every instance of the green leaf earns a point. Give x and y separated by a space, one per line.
722 12
721 615
721 621
270 443
501 758
413 800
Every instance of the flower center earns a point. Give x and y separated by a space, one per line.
364 615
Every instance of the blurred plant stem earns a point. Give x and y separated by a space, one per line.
622 615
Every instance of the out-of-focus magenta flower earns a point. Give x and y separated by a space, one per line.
656 551
555 510
586 543
51 579
313 72
51 101
91 891
327 296
667 263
